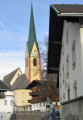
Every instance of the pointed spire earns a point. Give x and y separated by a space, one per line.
32 33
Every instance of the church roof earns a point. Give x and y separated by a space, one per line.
21 82
3 86
32 33
7 79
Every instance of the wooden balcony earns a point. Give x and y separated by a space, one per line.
37 93
55 98
37 99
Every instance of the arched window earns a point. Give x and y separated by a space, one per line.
34 62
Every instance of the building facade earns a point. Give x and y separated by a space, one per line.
40 92
68 44
18 82
7 104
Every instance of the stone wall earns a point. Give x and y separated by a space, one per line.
36 115
72 110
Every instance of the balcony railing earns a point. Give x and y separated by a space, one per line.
35 93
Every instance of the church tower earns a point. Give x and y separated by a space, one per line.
32 57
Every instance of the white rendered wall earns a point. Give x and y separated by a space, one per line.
38 107
8 109
76 74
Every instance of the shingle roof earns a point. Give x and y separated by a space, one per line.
3 86
68 8
32 33
34 83
21 82
7 79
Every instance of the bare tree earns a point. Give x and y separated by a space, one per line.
50 89
43 54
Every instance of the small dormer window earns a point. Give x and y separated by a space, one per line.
34 62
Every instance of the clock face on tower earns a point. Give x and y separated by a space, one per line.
33 54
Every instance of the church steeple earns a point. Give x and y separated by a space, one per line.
32 56
32 33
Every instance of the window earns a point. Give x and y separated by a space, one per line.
34 90
34 62
73 56
67 35
75 88
43 104
68 92
67 66
34 105
38 89
63 73
40 104
75 92
37 105
5 102
11 102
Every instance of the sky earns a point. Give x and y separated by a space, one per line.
14 29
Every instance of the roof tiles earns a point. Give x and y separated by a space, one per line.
68 8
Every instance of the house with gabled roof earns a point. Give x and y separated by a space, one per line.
65 57
10 78
40 90
18 82
6 100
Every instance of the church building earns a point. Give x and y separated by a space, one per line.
32 56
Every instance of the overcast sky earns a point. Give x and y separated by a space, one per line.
14 29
